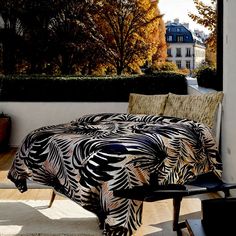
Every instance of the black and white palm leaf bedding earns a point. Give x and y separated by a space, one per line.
88 158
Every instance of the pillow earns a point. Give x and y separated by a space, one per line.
147 104
201 108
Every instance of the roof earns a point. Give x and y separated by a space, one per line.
178 33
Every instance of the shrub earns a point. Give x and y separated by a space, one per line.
206 76
184 71
89 89
164 66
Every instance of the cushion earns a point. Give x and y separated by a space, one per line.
201 108
147 104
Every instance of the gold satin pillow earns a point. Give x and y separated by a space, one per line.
201 108
147 104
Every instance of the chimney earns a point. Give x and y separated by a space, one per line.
186 25
176 20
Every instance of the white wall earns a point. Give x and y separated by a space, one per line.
229 87
27 116
183 57
200 55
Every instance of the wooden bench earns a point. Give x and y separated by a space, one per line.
205 183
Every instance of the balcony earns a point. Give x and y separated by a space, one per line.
65 100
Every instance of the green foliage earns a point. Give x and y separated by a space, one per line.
206 76
89 89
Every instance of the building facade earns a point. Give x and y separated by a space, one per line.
185 48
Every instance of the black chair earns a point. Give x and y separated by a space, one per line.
205 183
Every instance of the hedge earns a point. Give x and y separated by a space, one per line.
207 77
88 89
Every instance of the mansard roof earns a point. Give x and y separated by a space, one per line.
177 30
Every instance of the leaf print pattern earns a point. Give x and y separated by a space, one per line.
88 158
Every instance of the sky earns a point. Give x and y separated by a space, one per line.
179 9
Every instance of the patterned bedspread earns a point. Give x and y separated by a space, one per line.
86 159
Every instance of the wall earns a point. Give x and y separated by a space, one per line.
183 57
199 52
27 116
229 88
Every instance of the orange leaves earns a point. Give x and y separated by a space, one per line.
207 16
128 30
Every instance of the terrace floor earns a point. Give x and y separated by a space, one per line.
157 216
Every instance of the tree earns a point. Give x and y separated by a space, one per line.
10 34
72 36
210 55
25 33
207 16
54 33
35 18
124 29
161 52
88 36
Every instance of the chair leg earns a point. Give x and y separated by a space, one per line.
52 199
176 208
226 193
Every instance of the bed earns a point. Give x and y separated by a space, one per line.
90 157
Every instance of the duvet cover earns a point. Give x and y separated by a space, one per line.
90 157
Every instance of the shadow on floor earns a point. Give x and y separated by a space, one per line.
18 218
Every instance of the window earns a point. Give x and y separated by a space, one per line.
169 52
180 38
188 52
169 38
188 64
178 63
178 52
